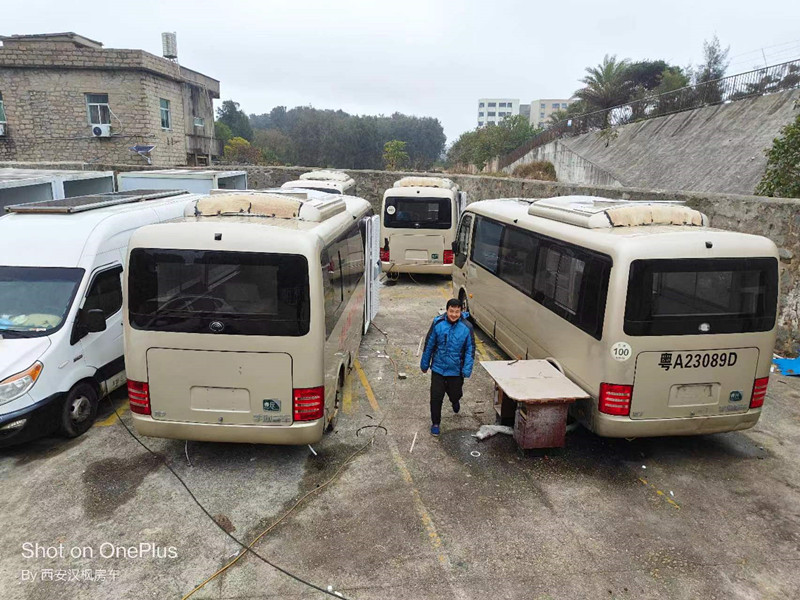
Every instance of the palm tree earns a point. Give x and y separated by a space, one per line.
606 85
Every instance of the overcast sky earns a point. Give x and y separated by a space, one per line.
421 57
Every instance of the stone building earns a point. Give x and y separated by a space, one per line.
64 97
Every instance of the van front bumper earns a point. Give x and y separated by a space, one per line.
31 422
297 434
624 427
422 268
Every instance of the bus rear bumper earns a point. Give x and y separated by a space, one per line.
423 268
624 427
297 434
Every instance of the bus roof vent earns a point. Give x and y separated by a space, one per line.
326 175
598 213
269 204
435 182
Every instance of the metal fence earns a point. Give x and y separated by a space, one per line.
776 78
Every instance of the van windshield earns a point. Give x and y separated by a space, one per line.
216 292
34 301
698 296
418 213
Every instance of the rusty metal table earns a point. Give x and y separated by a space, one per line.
537 396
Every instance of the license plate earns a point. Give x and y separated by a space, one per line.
697 360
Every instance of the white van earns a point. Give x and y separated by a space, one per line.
242 320
61 306
419 218
332 182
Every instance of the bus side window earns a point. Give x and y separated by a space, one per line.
462 241
518 258
486 243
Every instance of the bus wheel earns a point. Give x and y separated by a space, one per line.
79 410
462 296
337 405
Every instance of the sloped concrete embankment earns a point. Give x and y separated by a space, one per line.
712 149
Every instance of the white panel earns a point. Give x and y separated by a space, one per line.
373 270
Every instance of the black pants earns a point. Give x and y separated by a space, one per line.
441 385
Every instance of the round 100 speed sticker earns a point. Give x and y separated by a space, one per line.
621 351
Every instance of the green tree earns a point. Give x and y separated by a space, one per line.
479 146
222 132
394 155
713 67
782 175
239 151
606 85
276 146
235 118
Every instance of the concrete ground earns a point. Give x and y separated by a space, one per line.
708 517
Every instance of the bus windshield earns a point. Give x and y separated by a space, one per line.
418 213
204 291
697 296
34 301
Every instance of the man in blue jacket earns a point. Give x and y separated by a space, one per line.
449 354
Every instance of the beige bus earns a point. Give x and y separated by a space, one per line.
324 180
419 217
242 319
668 324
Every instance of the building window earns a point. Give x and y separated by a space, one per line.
2 110
480 114
492 104
480 123
541 115
480 104
166 118
97 107
492 114
199 122
542 106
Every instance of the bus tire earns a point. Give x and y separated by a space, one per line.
337 404
79 410
462 296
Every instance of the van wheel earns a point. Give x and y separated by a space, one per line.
79 410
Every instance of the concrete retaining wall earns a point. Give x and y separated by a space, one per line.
570 166
712 149
775 218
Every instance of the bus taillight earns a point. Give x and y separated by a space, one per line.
759 392
447 257
385 254
308 403
615 399
139 397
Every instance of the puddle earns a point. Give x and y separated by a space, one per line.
111 482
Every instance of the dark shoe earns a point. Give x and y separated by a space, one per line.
435 430
456 407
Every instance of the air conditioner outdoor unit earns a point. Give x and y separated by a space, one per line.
101 130
2 129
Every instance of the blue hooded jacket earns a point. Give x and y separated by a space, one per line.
449 347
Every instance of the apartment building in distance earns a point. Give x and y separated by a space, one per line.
492 111
542 109
64 97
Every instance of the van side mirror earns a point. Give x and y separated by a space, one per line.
93 320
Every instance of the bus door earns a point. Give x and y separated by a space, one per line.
372 269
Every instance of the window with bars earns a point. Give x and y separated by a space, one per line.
97 109
2 109
166 117
199 122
